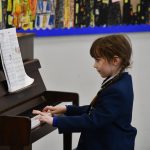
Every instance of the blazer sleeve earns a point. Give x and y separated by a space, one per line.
76 110
107 109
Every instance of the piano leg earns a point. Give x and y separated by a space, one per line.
67 141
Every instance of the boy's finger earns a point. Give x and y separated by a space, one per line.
37 112
46 108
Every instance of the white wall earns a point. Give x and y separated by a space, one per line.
67 66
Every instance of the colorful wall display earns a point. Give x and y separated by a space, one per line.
46 15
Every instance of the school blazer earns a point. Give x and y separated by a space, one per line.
107 125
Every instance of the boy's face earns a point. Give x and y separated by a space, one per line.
106 68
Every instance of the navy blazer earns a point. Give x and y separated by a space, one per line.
107 125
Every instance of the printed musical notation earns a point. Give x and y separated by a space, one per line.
11 59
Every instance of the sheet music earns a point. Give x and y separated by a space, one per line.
12 61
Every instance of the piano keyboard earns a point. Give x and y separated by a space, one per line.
35 122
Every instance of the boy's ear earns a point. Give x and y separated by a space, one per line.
116 60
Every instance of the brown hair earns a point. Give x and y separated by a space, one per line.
111 45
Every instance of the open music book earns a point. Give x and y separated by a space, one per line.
11 59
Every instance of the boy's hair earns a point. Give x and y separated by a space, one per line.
113 45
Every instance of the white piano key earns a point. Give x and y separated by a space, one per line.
35 122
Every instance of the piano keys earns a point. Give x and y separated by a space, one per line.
35 122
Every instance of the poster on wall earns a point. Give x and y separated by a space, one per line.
41 15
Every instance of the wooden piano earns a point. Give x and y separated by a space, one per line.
16 111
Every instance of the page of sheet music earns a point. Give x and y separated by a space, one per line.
12 61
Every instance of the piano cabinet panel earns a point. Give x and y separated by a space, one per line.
14 130
3 89
2 76
40 131
59 96
26 44
3 85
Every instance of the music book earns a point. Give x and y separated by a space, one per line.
12 63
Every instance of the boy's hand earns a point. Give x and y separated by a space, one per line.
55 109
44 116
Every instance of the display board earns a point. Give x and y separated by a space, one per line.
70 17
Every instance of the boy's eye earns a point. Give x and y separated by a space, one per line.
97 59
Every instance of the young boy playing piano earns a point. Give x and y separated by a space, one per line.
105 124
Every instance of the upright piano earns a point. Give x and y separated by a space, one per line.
16 110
